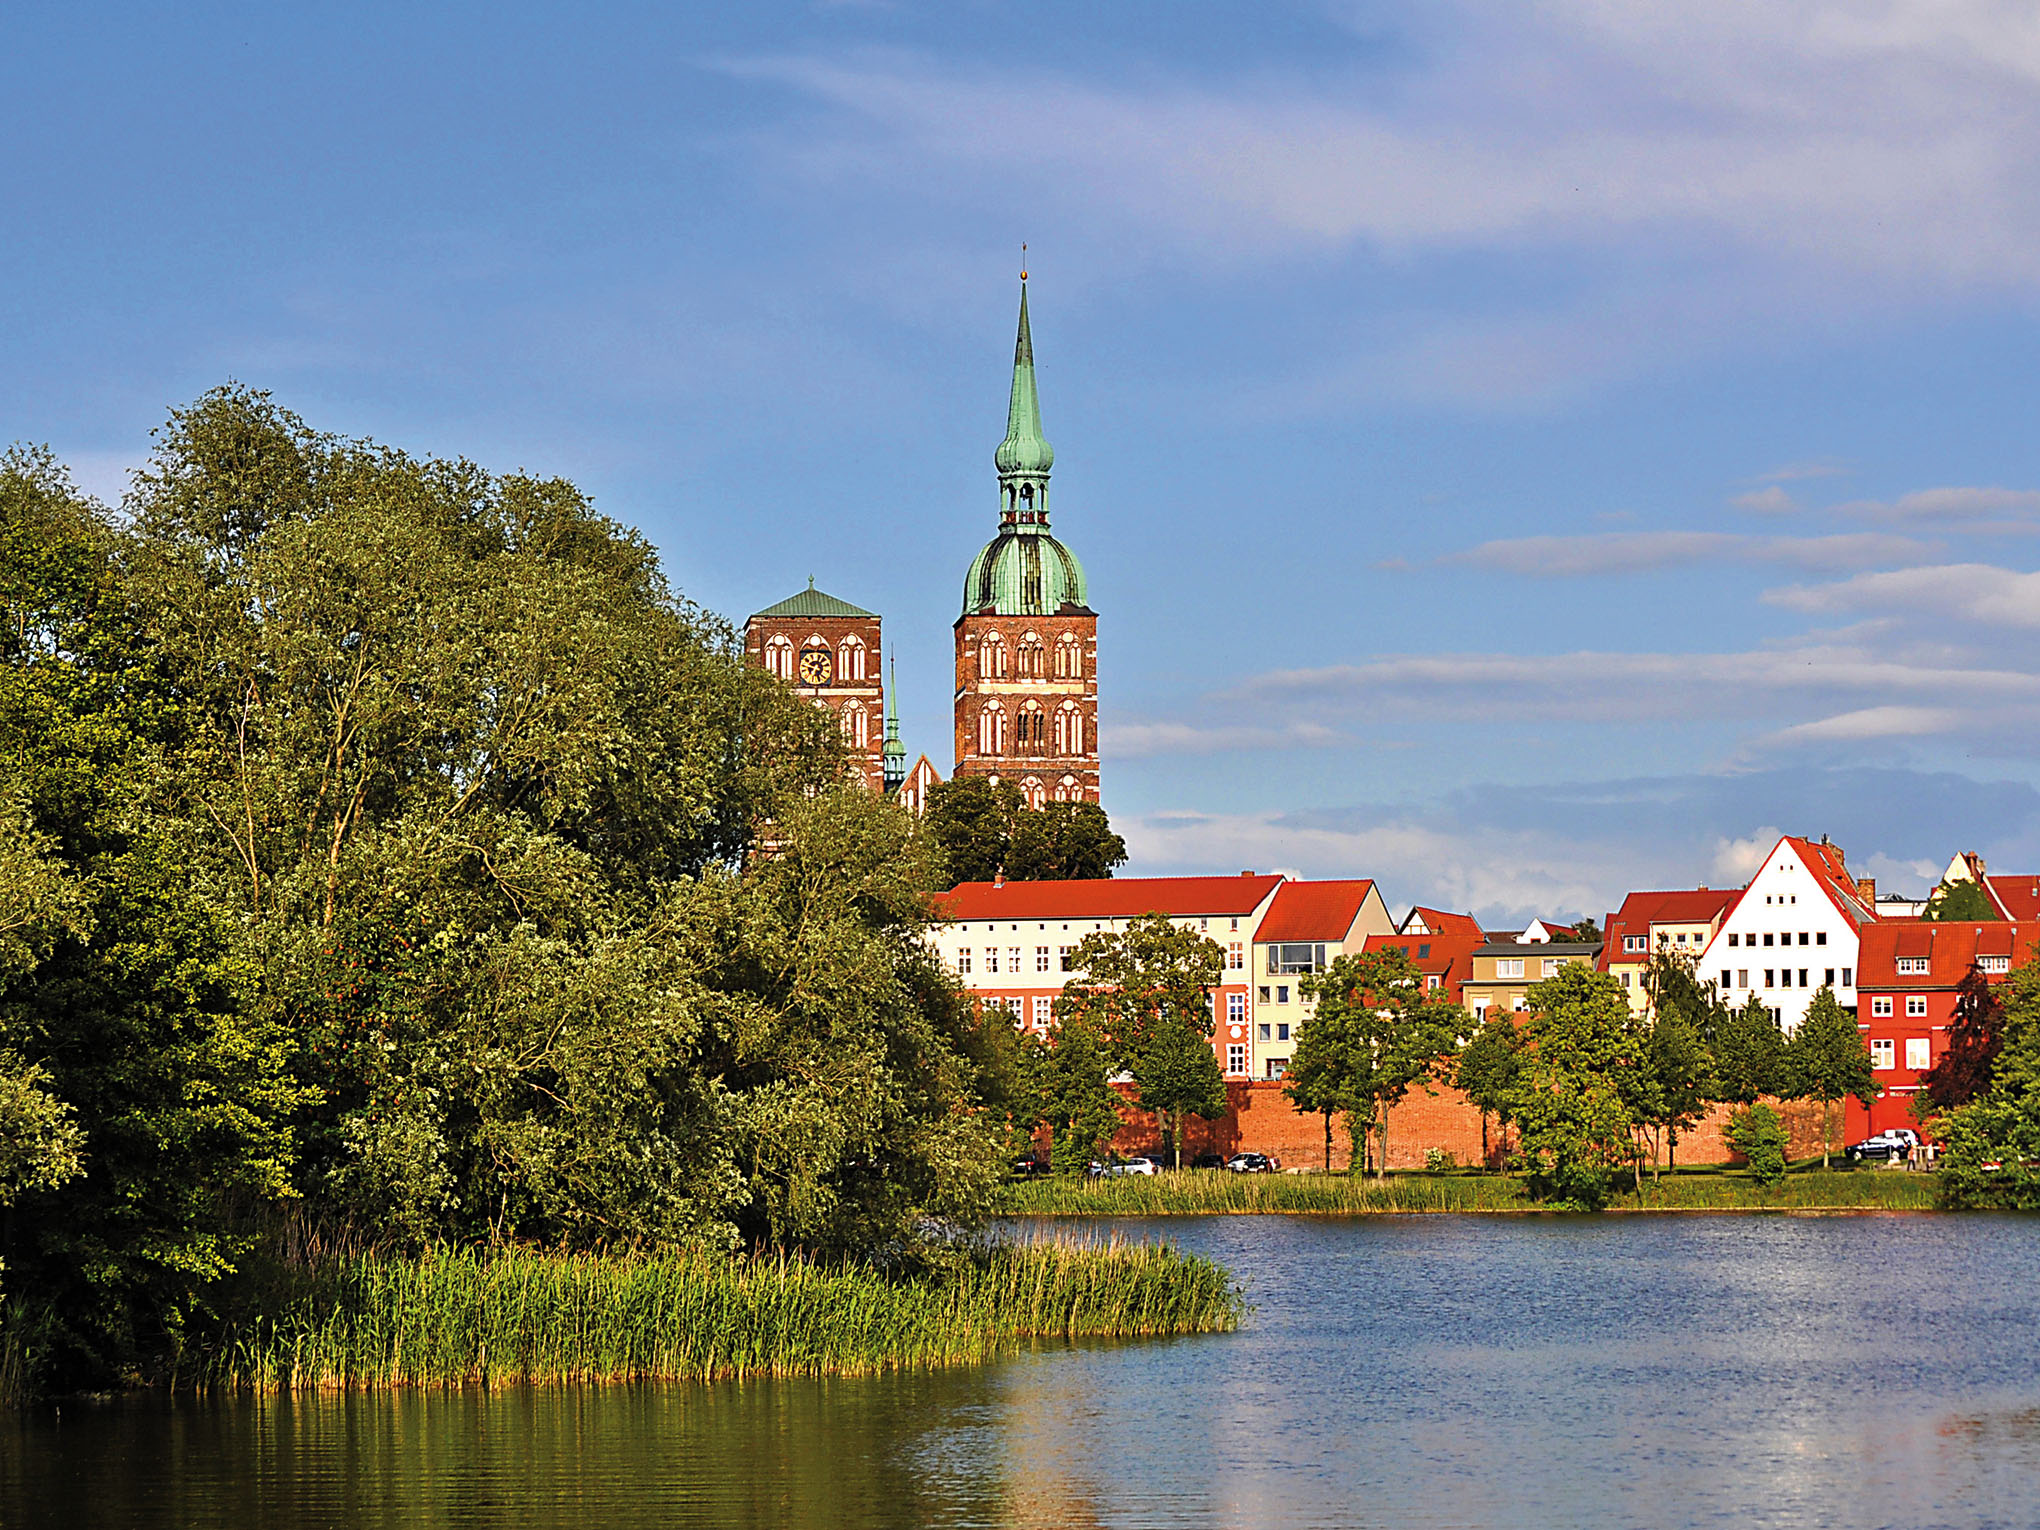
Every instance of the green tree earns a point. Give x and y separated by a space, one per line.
1756 1132
1960 902
1826 1060
1382 1032
1572 1125
1748 1047
1070 1072
1969 1057
1990 1147
1675 1056
1486 1071
1147 991
986 830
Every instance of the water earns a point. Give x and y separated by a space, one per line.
1408 1372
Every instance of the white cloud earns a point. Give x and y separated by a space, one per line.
1812 467
1771 501
1736 859
1950 506
1869 723
1624 552
1974 592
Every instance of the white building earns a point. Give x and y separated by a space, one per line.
1793 929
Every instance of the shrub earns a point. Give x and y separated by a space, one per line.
1758 1134
1438 1161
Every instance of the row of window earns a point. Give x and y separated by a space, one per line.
1915 1006
1633 945
1512 966
1030 728
1783 977
1235 958
1918 1053
852 657
1029 658
1784 939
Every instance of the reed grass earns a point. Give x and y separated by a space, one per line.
1207 1193
458 1317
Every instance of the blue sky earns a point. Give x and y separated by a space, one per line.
1521 459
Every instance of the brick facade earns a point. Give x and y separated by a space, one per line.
1021 715
837 642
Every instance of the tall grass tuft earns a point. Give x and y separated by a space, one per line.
458 1316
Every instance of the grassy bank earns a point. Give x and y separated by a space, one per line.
456 1317
1206 1193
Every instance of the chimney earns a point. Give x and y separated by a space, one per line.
1246 873
999 877
1866 889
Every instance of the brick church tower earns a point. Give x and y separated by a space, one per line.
828 650
1027 641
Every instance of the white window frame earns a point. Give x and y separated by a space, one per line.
1508 966
1880 1007
1236 1057
1918 1053
1915 1006
1882 1054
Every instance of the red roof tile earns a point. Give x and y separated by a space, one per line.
2018 897
1314 910
1442 922
1447 957
1108 898
1950 949
1641 910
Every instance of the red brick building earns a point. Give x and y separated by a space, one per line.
828 651
1906 982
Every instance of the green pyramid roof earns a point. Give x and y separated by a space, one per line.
813 602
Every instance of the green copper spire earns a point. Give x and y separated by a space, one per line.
1024 457
1024 570
894 758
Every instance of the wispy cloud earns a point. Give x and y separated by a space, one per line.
1979 593
1869 723
1952 508
1626 552
1771 501
1812 467
1133 740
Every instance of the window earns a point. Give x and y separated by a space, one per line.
1880 1006
1829 980
1731 937
963 960
1235 956
1041 958
1044 1009
1551 966
1265 1031
1680 937
1848 977
1277 1066
1296 957
992 657
1423 951
1802 937
1236 1057
779 657
1915 1006
1281 993
1063 956
1994 963
1235 924
1802 977
850 659
1916 1049
1432 982
1069 658
1641 942
1236 1007
1742 977
1820 937
1767 937
1913 964
1016 1008
991 958
1012 958
1262 993
1769 972
1509 967
992 730
1726 976
1625 979
1881 1049
1029 655
1281 1031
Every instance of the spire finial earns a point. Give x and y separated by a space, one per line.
811 581
1023 262
1024 457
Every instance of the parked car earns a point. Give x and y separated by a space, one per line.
1134 1165
1888 1146
1208 1161
1251 1163
1028 1166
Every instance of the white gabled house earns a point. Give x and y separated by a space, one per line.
1795 927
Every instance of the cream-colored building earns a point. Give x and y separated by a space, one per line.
1309 926
1505 971
1682 922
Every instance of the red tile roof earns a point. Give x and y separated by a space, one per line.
1825 861
1641 910
1109 898
1314 910
1950 950
2017 897
1442 922
1447 957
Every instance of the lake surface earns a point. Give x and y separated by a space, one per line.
1408 1372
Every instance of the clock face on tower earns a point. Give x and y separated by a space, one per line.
815 667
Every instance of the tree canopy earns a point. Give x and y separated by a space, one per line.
380 857
985 831
1961 902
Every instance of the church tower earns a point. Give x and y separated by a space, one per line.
828 651
1027 641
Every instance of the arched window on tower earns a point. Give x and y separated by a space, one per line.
857 725
992 729
779 656
1033 729
850 658
1069 729
1031 790
1069 658
992 657
1030 656
1067 790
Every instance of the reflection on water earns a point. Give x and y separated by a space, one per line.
1397 1371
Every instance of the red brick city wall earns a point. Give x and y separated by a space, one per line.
1261 1119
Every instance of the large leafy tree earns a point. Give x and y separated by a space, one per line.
1068 1089
1748 1046
1379 1032
1969 1056
1146 990
1580 1049
1677 1064
1991 1145
1826 1060
986 831
1486 1071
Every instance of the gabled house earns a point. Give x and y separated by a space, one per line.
1310 926
1795 927
1445 958
1682 922
1504 970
